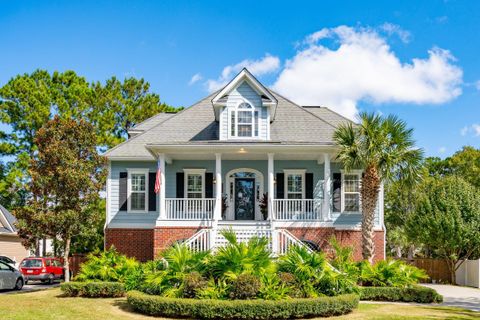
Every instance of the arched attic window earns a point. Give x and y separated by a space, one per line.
244 121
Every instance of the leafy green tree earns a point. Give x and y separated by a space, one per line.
67 175
384 148
447 220
466 163
121 105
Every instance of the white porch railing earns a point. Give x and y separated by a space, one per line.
285 240
297 209
189 209
200 241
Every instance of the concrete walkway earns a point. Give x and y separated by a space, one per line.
456 296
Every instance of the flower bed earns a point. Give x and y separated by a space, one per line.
412 294
241 309
93 289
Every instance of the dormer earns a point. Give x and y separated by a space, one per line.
244 109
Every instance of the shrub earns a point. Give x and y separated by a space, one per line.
245 286
108 265
93 289
390 273
241 309
192 284
412 294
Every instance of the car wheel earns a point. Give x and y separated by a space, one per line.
51 278
19 284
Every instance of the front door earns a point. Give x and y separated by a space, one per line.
244 199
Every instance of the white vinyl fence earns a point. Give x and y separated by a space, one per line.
468 274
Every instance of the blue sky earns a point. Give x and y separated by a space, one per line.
416 59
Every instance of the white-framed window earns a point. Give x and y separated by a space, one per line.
244 121
294 184
194 183
351 191
137 186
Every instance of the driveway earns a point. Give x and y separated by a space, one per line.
34 286
456 296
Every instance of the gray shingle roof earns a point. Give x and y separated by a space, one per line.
10 219
153 121
327 114
196 125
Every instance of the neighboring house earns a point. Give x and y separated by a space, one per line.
10 243
217 158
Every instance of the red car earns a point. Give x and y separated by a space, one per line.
43 269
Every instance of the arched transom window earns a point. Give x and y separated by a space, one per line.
244 121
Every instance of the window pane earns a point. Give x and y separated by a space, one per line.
352 202
194 195
233 124
294 196
256 123
138 201
294 183
138 182
352 183
194 182
244 130
244 105
244 117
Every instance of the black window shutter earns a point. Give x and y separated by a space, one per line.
280 186
180 185
208 185
152 196
122 197
309 185
337 192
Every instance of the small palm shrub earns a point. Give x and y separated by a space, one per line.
241 257
275 288
135 279
108 265
390 273
245 286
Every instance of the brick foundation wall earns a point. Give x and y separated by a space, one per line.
352 238
166 236
136 243
145 244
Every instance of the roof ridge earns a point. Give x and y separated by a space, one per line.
152 117
300 107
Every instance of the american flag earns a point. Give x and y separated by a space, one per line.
158 179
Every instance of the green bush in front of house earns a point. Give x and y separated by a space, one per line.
241 309
411 294
93 289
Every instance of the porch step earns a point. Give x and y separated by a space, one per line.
247 224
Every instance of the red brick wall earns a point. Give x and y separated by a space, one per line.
145 244
137 243
352 238
165 236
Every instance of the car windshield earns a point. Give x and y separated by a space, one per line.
32 263
6 260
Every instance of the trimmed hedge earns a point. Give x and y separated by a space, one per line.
241 309
93 289
413 294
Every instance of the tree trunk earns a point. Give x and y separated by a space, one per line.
369 193
451 267
398 252
66 262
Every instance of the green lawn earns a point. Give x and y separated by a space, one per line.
50 304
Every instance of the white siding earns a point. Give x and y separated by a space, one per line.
240 94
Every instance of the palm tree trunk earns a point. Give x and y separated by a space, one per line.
369 194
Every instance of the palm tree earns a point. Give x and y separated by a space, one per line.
384 148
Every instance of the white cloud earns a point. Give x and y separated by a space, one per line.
391 29
195 78
477 84
442 149
362 66
473 129
267 64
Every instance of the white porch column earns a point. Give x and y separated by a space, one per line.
218 187
271 187
161 162
327 186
